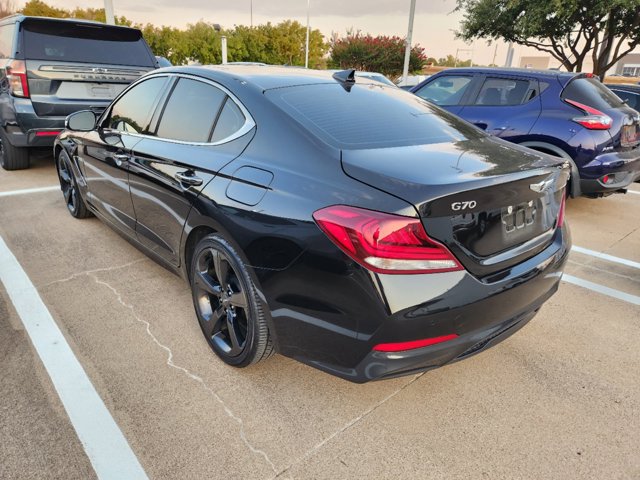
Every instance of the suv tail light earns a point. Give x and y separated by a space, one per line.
17 76
594 120
385 243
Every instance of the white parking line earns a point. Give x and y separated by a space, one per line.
25 191
633 191
105 445
606 256
596 287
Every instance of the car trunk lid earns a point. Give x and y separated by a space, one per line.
494 205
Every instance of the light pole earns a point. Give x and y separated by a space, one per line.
407 49
306 48
455 62
108 12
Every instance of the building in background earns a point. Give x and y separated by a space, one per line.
628 66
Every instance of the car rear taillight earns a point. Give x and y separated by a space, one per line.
561 211
17 76
594 120
385 243
413 344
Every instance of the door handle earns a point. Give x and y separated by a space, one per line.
188 178
120 158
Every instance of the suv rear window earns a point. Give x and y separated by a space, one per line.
67 41
592 93
369 116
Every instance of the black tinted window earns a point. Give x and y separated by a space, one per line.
504 91
191 111
67 41
230 121
132 112
590 92
6 40
446 90
369 116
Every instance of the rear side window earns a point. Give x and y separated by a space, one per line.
6 40
191 111
592 93
369 116
66 41
231 120
447 90
504 92
132 112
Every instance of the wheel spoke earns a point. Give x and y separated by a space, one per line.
220 266
212 325
236 347
67 194
65 175
207 283
238 300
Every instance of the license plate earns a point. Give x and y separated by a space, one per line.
629 135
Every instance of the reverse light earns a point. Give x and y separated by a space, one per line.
385 243
413 344
17 76
594 120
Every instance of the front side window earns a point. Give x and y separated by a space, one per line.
504 92
447 90
132 112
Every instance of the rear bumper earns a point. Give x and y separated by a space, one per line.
480 313
623 166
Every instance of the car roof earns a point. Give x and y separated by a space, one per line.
18 17
624 86
264 77
528 72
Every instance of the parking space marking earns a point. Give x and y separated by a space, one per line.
606 256
26 191
596 287
103 442
633 191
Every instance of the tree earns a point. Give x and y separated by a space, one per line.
377 54
568 30
39 8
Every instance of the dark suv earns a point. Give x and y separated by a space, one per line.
50 68
570 115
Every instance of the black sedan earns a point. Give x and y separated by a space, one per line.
349 225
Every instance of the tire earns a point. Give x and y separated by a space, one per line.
12 158
69 186
229 310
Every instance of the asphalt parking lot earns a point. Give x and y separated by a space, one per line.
558 400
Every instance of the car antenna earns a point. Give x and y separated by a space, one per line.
347 78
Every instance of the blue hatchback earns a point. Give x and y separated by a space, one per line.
570 115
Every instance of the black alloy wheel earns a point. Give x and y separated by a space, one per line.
72 198
230 312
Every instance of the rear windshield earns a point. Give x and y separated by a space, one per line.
590 92
73 42
369 116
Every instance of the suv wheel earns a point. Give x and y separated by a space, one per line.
12 158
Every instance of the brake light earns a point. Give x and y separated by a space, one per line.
401 346
594 120
385 243
561 211
17 76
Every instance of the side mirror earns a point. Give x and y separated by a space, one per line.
82 121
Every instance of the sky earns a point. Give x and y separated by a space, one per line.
434 25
